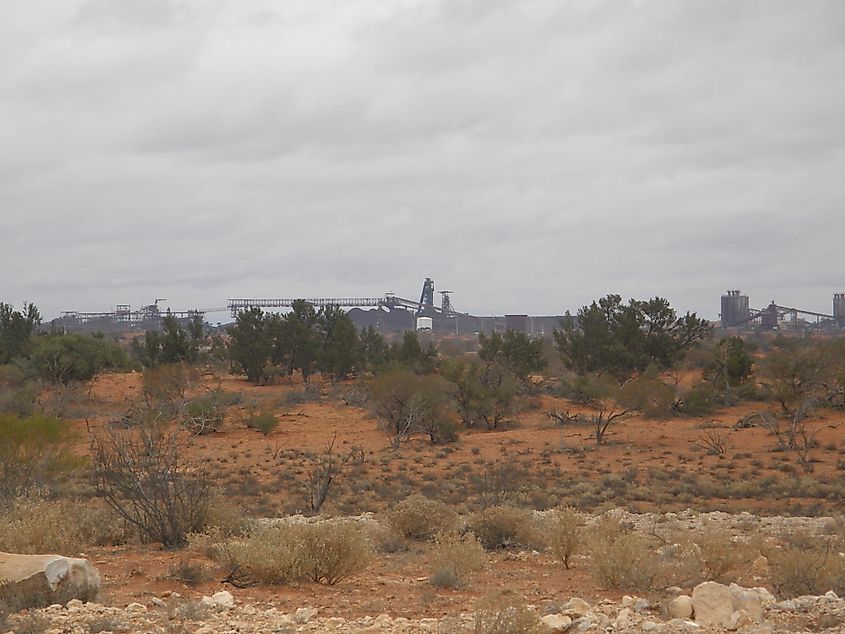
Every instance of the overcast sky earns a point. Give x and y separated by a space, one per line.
529 155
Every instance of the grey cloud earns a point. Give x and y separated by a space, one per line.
530 155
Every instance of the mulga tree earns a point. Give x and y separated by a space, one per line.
16 330
340 353
249 344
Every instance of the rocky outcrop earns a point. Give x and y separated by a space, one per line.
39 580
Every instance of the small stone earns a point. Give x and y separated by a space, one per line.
650 626
136 608
158 602
224 599
74 604
577 606
557 622
334 621
680 607
303 615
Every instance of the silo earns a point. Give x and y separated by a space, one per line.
839 309
735 309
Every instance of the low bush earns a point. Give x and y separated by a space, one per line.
265 422
418 517
454 559
628 562
564 534
188 572
35 525
203 415
507 614
807 564
719 557
17 395
34 453
324 552
503 526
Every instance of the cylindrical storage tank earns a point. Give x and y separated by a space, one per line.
735 309
839 308
425 323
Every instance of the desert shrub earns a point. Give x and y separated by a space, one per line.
418 517
226 517
700 400
454 558
142 474
17 395
407 403
387 540
188 572
625 562
203 415
265 422
807 564
719 557
324 552
507 614
564 534
164 386
36 525
70 358
650 395
34 452
503 526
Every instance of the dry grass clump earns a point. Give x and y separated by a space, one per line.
35 525
503 526
265 422
187 572
324 552
454 559
807 564
622 559
717 556
507 614
387 540
564 534
418 517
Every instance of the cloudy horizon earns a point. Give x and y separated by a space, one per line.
528 155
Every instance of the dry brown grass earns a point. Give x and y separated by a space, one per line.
324 552
564 534
507 613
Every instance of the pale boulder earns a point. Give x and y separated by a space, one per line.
680 607
557 622
47 579
712 603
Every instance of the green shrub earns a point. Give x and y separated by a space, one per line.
203 415
34 452
503 526
700 400
418 517
454 558
265 422
17 395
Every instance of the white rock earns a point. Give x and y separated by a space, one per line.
577 606
51 576
712 603
224 599
557 622
680 607
136 608
303 615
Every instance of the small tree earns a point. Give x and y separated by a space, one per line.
484 392
16 330
326 468
410 352
601 395
515 350
249 344
406 403
141 473
340 352
73 358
